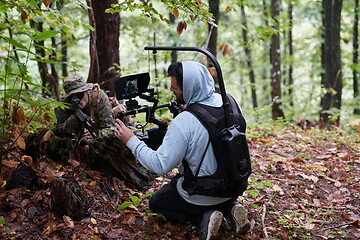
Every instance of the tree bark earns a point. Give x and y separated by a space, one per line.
356 56
54 77
174 55
213 32
104 40
43 68
275 59
64 56
248 56
291 52
332 78
264 73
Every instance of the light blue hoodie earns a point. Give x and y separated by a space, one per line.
186 137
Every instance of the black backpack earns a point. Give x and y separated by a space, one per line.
230 149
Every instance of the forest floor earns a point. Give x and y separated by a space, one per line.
305 185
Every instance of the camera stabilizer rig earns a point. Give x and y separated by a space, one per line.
129 87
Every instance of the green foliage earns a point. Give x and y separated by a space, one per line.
27 103
150 9
133 200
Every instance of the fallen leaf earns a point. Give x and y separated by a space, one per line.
93 221
309 192
74 163
10 163
309 226
68 221
317 202
337 184
277 188
19 139
18 116
27 159
297 160
46 136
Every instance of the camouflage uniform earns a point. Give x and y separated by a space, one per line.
98 108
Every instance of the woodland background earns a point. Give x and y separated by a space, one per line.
292 66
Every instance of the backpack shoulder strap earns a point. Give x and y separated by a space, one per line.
202 114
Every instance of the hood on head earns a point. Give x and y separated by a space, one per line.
198 84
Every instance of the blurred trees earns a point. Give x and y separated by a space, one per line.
42 42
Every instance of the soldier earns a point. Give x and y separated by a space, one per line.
92 101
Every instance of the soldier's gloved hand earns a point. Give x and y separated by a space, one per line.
87 135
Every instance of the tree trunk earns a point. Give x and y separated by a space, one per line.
104 40
174 55
275 59
64 56
264 74
332 78
43 68
248 56
213 32
54 78
356 56
291 53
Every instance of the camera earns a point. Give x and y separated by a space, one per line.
129 87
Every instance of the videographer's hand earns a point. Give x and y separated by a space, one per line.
122 132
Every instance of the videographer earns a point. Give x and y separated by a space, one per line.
187 139
94 105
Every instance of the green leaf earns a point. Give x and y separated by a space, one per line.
15 43
254 206
32 3
2 220
124 205
135 200
43 60
45 35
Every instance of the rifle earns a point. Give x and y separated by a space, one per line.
86 121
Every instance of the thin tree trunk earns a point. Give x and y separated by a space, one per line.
275 59
174 55
104 41
54 78
213 31
214 9
356 55
43 68
264 74
248 56
291 53
332 79
64 53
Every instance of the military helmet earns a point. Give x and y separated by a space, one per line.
75 84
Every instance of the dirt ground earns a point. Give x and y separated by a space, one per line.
305 185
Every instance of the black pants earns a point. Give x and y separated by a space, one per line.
168 202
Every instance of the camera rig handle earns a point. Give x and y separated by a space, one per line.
228 120
150 117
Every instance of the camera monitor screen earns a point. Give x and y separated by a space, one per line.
131 86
